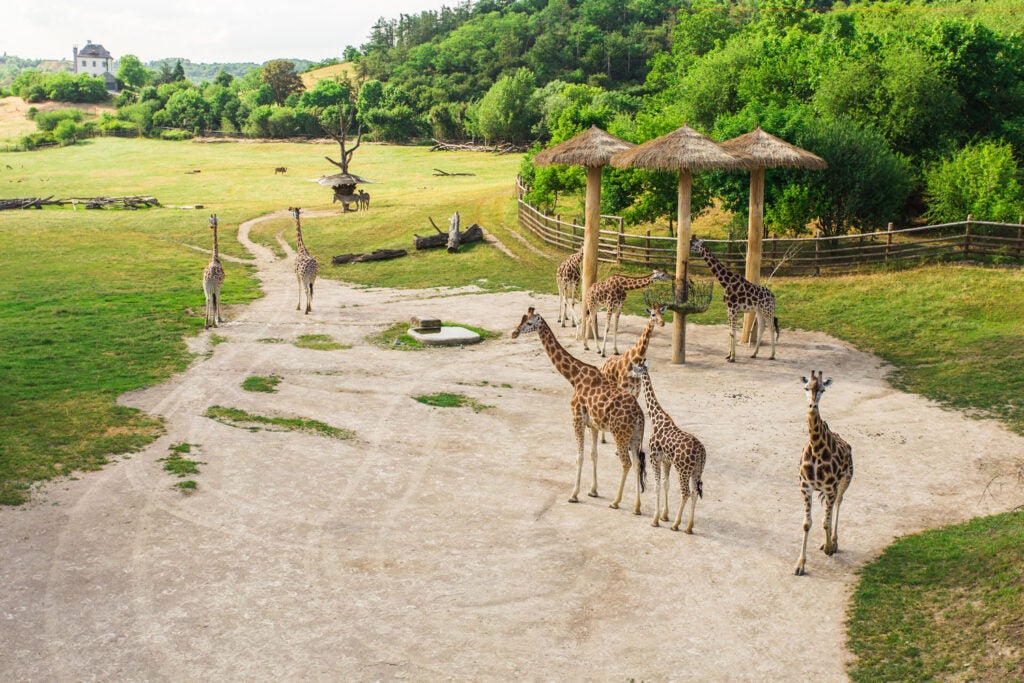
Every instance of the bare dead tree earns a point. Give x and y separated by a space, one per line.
339 133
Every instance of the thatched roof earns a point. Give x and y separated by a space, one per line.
593 147
683 148
767 151
339 179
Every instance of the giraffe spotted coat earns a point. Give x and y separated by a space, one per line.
611 294
306 267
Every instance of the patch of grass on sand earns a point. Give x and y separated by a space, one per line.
245 420
446 400
266 384
319 342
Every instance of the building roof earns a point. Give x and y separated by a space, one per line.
94 50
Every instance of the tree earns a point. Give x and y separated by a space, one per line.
509 110
980 180
132 73
280 75
187 109
179 72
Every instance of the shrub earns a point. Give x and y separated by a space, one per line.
65 132
980 180
175 134
49 120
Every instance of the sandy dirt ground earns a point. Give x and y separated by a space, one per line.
438 543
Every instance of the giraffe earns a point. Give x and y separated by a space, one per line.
616 368
671 447
305 265
611 293
742 295
213 278
598 405
826 466
568 278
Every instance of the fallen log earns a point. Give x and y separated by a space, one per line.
376 255
446 173
473 233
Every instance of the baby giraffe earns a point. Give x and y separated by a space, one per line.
826 467
671 447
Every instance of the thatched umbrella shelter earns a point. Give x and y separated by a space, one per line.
764 151
684 150
592 149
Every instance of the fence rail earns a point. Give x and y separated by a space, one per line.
968 240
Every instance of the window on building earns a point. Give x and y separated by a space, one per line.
94 62
83 62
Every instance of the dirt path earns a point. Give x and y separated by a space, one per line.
438 543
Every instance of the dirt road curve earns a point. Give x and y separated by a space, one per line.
438 544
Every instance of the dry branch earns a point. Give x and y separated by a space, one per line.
376 255
473 233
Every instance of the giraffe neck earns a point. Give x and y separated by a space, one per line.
816 427
568 365
216 251
724 276
657 413
645 339
634 282
301 246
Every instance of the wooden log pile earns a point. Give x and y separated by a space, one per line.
452 239
470 146
134 202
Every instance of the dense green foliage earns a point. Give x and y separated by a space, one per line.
37 86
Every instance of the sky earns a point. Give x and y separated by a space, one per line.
198 30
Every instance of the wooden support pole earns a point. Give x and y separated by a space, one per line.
592 227
685 193
755 230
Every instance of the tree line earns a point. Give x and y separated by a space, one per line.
917 106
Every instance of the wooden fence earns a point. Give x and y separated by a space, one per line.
969 240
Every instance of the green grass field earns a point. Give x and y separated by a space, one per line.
97 303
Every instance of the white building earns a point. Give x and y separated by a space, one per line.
95 60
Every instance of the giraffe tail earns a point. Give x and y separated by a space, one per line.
700 488
778 330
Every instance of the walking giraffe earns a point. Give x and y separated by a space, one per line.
670 447
611 293
568 278
213 278
742 295
596 404
305 265
826 467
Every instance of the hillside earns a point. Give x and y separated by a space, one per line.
310 78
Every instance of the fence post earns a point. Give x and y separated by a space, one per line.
967 238
775 245
1020 236
888 241
619 242
647 249
817 252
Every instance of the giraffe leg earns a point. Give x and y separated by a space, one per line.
626 460
302 287
572 306
759 320
615 334
693 505
770 324
578 429
656 461
216 306
593 461
827 546
607 325
835 525
806 491
667 466
309 298
732 337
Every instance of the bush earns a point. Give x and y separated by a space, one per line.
980 180
37 140
49 120
66 132
175 134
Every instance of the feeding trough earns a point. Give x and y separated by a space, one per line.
430 332
694 296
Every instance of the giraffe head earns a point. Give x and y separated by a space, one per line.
656 312
638 370
696 245
213 221
531 322
294 210
815 387
660 275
